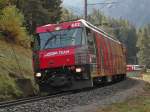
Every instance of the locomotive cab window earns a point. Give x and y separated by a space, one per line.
62 38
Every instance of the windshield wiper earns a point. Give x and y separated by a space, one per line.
46 43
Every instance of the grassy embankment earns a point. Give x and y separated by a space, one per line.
137 104
9 70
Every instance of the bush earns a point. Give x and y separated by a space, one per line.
11 26
3 3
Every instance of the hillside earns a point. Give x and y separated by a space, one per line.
10 71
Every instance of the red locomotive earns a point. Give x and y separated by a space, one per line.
76 54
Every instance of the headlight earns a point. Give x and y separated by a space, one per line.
78 70
38 74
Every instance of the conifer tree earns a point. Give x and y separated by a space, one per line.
144 46
68 15
40 12
54 9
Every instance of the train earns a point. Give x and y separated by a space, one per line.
132 68
75 55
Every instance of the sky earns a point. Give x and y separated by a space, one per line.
77 6
81 2
73 2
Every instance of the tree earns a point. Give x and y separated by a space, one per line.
11 25
3 3
127 34
144 45
39 12
54 9
97 18
35 14
68 15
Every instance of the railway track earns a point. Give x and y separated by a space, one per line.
73 101
39 98
30 99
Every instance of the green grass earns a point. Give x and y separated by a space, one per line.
8 62
9 70
146 77
138 104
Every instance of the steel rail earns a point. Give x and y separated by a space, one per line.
29 100
39 98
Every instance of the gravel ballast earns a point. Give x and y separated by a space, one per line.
87 101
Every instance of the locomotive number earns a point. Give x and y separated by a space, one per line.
75 24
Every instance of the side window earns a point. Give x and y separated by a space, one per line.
83 37
90 41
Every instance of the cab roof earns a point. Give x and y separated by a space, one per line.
74 24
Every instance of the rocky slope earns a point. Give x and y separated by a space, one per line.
12 75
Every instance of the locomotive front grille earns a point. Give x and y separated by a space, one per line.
81 58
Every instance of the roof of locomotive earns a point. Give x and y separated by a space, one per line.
74 24
98 30
60 26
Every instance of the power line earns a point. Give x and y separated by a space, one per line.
103 3
86 6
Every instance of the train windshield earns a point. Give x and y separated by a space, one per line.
61 38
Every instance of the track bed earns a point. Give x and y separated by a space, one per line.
82 101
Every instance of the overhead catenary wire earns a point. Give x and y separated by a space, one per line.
103 3
86 4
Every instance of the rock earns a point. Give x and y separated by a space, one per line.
13 75
26 86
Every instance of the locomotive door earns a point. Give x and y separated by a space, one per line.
92 51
